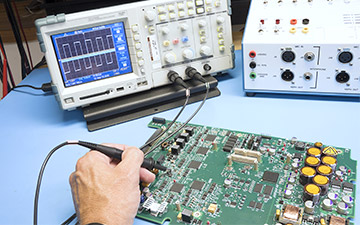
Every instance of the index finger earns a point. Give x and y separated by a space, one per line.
132 158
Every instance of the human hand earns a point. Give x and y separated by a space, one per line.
106 191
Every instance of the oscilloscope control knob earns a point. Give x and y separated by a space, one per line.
165 30
170 57
184 27
150 15
220 20
202 23
205 50
188 54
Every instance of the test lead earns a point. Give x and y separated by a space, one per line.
149 163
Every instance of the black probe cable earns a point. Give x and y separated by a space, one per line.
41 173
109 151
175 78
184 124
171 123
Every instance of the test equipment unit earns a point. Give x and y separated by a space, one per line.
100 54
220 176
303 47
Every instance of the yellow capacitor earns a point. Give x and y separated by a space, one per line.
322 221
324 170
212 208
319 145
330 151
179 217
312 161
313 152
277 214
306 174
312 192
329 161
322 182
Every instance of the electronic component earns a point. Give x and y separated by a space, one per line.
330 151
315 152
348 187
312 161
309 207
186 216
323 182
212 208
92 57
270 176
335 220
291 215
312 193
249 153
210 138
197 185
245 159
258 188
194 164
342 208
288 47
325 171
175 149
327 204
202 150
329 161
306 175
214 183
158 120
177 187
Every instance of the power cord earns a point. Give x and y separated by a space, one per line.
45 87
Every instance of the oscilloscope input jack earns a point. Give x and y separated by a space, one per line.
288 56
287 75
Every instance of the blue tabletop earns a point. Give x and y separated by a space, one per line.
32 123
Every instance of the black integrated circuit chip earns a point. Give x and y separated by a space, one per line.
197 185
259 205
252 204
268 189
336 184
177 187
194 164
270 176
258 188
202 151
348 186
210 137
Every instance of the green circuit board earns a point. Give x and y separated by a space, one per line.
221 176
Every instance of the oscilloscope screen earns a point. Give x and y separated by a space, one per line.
92 54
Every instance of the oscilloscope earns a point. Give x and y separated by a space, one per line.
105 53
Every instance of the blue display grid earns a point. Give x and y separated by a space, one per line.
92 54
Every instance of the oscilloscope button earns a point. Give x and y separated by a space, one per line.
181 13
150 15
171 8
205 50
141 62
170 57
137 45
